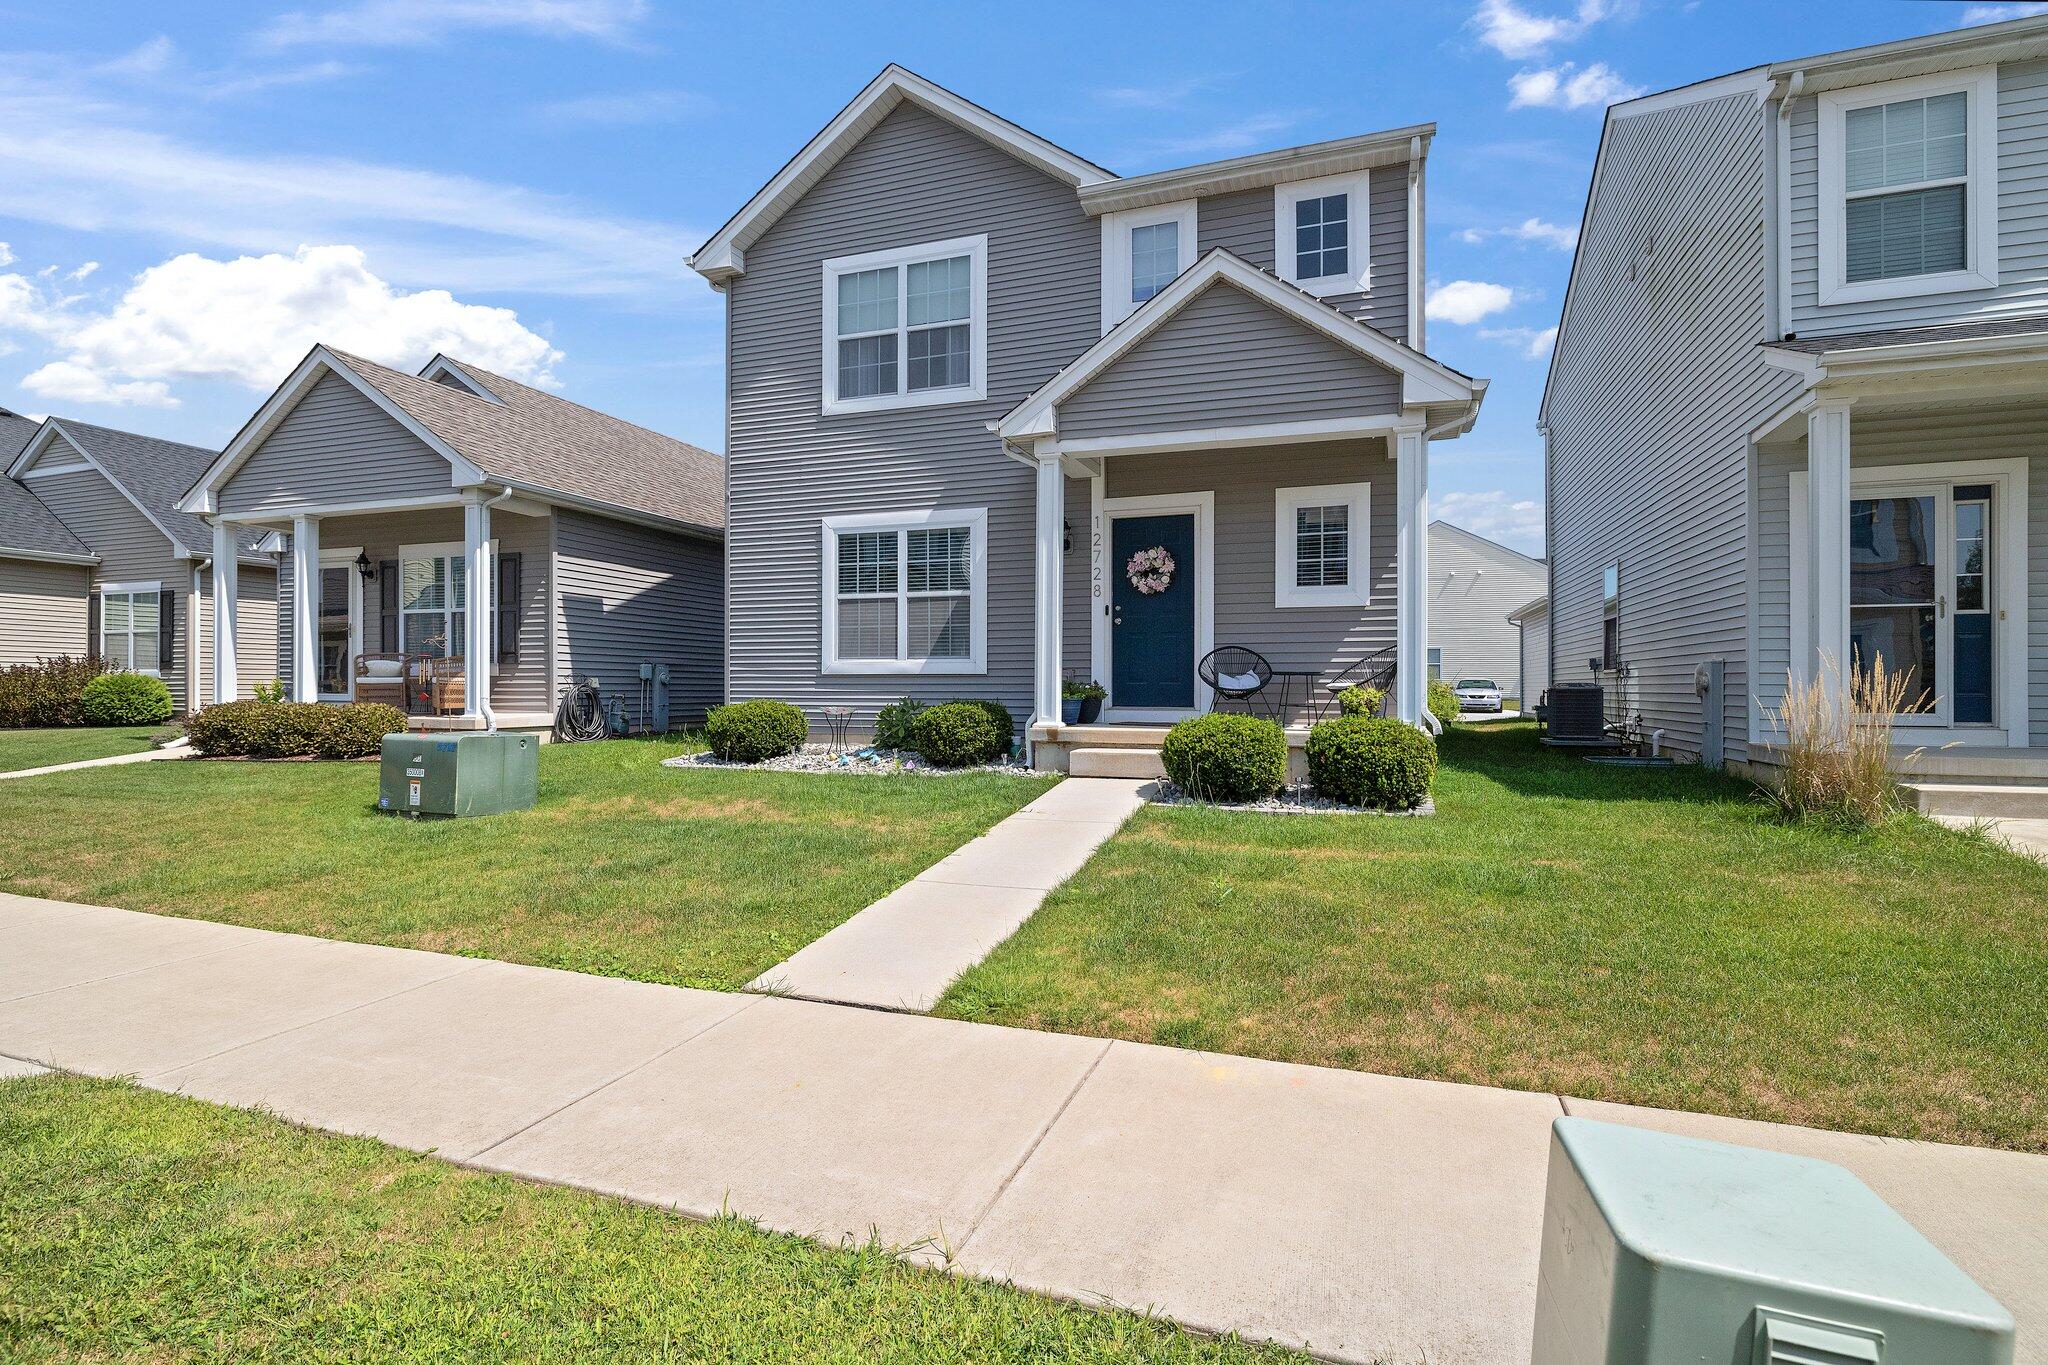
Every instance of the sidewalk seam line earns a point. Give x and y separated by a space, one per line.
981 1216
116 976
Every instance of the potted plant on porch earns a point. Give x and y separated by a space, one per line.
1080 702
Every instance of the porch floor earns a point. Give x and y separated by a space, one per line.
1129 750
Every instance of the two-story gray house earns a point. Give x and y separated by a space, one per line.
1797 415
998 417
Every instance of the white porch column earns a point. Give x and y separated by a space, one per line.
305 608
225 592
479 601
1411 582
1827 532
1052 492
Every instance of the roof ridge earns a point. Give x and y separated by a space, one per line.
476 370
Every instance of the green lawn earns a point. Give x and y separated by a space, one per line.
1649 936
694 877
41 748
141 1226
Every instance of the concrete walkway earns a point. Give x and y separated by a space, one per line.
177 748
1364 1216
2026 837
904 950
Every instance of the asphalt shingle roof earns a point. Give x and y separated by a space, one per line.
548 443
25 524
156 474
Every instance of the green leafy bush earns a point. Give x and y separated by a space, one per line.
1006 726
1360 701
259 729
124 699
1226 757
960 734
896 723
756 731
45 693
1371 761
1443 702
271 692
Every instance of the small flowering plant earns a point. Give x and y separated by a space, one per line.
1150 571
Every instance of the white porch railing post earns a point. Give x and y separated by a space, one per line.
1827 531
225 592
1411 559
1052 490
480 598
305 608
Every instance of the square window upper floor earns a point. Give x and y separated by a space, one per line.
1143 251
1321 231
906 327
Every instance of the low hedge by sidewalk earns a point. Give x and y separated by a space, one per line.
263 729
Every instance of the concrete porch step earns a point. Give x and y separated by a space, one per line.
1107 736
1121 762
1978 800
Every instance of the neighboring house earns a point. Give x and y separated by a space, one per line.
405 498
971 374
1532 648
1474 586
95 557
1798 409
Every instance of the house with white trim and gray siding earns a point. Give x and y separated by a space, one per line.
1797 415
972 375
1475 586
402 500
96 558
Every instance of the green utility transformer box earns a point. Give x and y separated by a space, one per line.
1660 1249
459 774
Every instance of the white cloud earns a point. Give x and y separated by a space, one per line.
1245 135
250 320
1466 301
620 110
1533 342
6 254
83 270
406 23
1974 15
1565 87
1514 32
1517 522
1166 95
1554 235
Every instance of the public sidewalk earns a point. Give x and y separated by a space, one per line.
1366 1217
177 748
904 950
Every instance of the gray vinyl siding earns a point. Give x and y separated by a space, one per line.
1893 438
334 446
1245 484
1243 223
1656 383
256 638
520 686
632 595
1228 359
913 179
1535 656
2022 221
1471 592
42 610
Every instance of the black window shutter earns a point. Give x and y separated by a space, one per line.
509 598
92 625
166 627
387 605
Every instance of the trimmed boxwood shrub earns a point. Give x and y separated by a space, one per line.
1225 756
258 729
1360 701
961 734
1371 761
45 693
756 731
124 699
1006 725
1443 702
896 724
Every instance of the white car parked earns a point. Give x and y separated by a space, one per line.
1478 694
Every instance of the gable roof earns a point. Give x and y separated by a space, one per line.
724 255
29 530
1486 545
150 472
497 430
16 432
1423 379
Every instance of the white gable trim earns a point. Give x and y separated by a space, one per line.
723 257
41 442
1422 380
201 501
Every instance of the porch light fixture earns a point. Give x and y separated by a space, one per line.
364 567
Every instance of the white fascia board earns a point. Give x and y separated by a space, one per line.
49 432
1392 147
721 258
37 444
441 365
47 556
2015 40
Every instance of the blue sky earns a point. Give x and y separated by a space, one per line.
190 194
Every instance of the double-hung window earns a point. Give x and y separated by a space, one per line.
1319 233
906 328
433 599
129 620
1610 617
1321 550
906 592
1143 250
1908 187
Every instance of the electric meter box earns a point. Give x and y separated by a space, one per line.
459 774
1663 1249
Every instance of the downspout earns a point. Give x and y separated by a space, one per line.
491 716
1416 246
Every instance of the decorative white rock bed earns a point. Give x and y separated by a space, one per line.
1294 801
864 762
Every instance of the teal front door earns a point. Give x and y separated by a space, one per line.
1152 634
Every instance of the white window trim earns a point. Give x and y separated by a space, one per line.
1116 252
1358 184
344 557
155 669
1980 85
1357 592
976 520
976 250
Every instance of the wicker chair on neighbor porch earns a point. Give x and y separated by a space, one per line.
443 684
382 678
